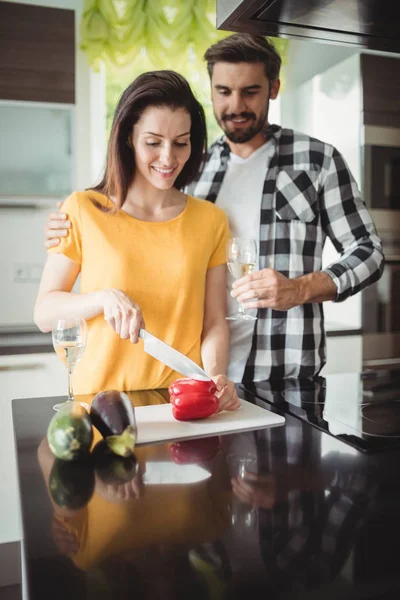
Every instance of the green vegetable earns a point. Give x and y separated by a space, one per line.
70 434
71 484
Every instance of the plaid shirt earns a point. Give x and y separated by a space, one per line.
309 193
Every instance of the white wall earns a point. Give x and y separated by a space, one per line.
322 98
304 60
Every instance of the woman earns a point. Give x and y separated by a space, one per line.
144 250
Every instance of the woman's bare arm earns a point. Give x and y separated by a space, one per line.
56 301
215 337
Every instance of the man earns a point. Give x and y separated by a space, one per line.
289 191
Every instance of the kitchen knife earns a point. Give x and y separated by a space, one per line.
171 357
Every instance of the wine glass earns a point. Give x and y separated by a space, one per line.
242 258
69 340
241 512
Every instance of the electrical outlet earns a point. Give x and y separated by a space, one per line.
21 272
27 272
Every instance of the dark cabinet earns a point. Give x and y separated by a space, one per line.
37 53
371 24
381 90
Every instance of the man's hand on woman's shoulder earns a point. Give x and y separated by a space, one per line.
57 226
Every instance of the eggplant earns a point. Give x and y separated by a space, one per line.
71 484
113 469
113 414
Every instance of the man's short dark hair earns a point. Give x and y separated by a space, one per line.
244 47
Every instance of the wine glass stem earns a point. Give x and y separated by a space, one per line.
241 309
70 392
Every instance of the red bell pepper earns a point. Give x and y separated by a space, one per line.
188 385
194 451
192 399
194 406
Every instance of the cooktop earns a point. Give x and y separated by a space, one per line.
361 409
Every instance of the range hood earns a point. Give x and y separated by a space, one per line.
371 24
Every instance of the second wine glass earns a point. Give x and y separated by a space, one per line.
242 259
69 341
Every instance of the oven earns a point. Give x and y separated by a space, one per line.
381 301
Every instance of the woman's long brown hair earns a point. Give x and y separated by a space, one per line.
155 88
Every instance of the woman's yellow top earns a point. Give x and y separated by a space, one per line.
161 265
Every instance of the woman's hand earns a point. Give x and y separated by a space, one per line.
65 537
123 314
122 492
226 393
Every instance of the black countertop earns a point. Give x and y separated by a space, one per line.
288 512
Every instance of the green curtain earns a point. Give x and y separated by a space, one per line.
165 33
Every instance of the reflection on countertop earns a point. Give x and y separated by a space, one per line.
282 513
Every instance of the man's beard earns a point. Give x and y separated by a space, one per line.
241 136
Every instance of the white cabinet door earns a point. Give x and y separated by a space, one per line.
32 375
21 376
343 354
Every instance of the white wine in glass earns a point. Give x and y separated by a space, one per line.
238 270
69 341
242 259
70 352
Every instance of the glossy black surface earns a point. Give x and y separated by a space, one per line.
288 512
361 409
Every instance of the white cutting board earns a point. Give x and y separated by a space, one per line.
155 423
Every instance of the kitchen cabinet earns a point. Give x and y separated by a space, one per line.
37 151
21 245
368 23
37 53
344 354
38 165
381 90
27 375
21 376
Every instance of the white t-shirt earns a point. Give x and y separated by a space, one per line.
240 197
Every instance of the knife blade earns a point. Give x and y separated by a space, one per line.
171 357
